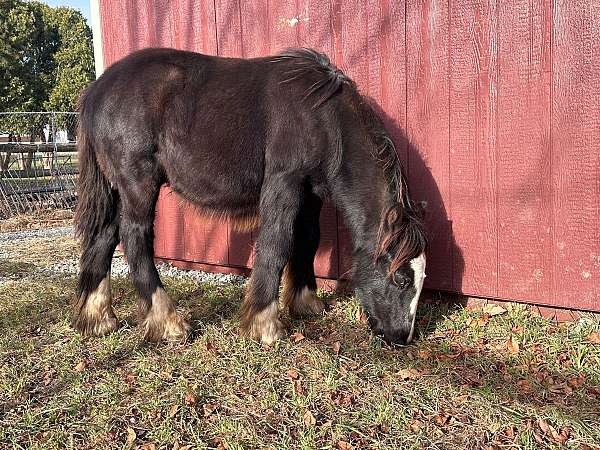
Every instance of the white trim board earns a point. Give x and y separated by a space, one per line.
97 37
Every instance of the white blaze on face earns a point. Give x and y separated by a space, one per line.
418 266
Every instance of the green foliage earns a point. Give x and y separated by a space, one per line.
46 59
74 59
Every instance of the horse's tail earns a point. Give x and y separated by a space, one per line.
96 202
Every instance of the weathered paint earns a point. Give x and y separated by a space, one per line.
495 107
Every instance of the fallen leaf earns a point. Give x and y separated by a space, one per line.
361 317
309 419
482 321
210 348
383 428
493 310
343 445
297 337
293 374
543 425
209 408
148 446
190 399
576 382
80 367
424 354
512 345
336 347
298 387
221 443
525 386
594 337
518 330
509 433
561 437
342 399
130 378
415 425
327 424
441 419
409 374
131 436
538 438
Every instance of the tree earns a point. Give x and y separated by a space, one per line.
46 60
73 60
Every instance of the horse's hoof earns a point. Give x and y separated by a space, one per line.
89 324
305 304
271 334
172 328
265 326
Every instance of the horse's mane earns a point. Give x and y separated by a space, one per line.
401 231
308 61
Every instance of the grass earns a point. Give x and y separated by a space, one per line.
475 378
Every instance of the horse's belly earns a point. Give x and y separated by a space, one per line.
216 183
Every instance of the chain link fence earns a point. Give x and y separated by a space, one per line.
38 161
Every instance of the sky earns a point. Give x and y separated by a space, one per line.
81 5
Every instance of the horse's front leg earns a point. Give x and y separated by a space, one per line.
279 205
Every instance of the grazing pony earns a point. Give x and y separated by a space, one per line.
261 140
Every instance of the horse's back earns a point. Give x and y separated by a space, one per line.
213 125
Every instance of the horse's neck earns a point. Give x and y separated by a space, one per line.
362 205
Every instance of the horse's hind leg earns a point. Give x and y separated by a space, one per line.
157 310
299 286
279 206
93 313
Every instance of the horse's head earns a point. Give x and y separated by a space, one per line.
389 291
391 304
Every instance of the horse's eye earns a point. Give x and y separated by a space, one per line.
401 281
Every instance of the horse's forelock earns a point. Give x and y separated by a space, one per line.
401 235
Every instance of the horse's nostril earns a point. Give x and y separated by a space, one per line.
397 338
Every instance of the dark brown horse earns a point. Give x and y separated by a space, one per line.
261 140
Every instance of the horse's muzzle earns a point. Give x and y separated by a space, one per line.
399 337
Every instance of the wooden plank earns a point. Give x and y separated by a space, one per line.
524 189
195 27
168 225
354 42
326 260
576 153
349 26
254 18
315 26
473 86
284 17
206 240
427 98
393 76
117 40
143 24
229 28
164 12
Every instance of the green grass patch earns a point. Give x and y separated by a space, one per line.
472 379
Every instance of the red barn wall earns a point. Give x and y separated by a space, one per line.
495 107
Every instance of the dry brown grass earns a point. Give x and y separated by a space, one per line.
37 220
475 378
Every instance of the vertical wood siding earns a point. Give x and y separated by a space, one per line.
494 105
